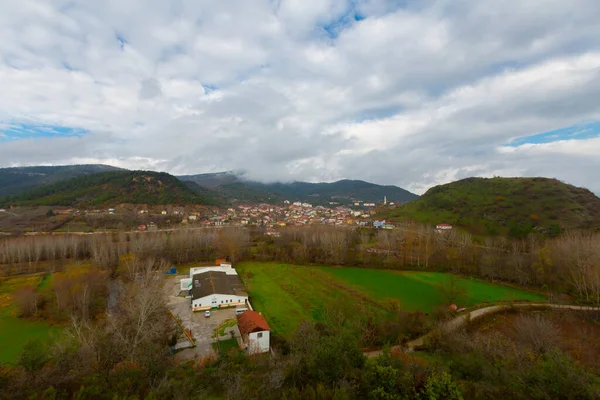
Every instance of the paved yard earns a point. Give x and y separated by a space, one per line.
203 329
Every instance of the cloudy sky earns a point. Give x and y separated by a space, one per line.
406 92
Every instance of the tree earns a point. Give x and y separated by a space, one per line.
27 301
440 386
452 290
335 244
232 241
537 332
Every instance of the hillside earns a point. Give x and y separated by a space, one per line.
513 206
20 179
111 188
344 191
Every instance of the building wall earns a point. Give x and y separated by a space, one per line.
222 300
185 283
258 344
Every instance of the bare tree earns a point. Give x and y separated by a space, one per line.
335 243
232 241
537 332
27 301
141 317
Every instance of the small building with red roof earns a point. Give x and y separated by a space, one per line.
255 332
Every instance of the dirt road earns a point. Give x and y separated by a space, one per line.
461 320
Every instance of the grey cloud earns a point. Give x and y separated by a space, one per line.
415 94
149 89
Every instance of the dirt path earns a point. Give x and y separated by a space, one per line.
460 321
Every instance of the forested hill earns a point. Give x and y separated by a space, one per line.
344 191
111 188
19 179
513 206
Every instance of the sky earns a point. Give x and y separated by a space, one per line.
413 93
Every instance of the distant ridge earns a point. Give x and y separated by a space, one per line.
213 188
16 180
344 191
112 188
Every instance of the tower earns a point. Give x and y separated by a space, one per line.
384 200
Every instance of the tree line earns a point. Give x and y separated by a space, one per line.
569 263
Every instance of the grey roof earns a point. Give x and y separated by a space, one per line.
216 282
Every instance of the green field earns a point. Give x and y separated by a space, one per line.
419 290
16 332
288 294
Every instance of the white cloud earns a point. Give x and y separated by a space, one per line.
414 94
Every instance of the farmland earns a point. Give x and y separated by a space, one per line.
419 290
16 332
288 294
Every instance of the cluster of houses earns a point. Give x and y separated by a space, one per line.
297 213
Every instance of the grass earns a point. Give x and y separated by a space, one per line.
420 290
16 332
288 294
225 346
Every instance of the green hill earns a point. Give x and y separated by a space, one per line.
513 206
111 188
20 179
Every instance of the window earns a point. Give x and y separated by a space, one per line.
259 335
221 301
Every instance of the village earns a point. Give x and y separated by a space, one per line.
269 217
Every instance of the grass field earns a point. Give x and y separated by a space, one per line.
287 294
419 290
16 332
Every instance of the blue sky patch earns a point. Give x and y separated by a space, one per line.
335 27
18 131
575 132
122 41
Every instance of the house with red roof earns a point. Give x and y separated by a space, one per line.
255 332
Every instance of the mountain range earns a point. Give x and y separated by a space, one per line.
95 185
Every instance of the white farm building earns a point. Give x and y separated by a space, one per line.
215 287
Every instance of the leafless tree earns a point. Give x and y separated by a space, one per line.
232 241
141 317
335 243
27 301
537 332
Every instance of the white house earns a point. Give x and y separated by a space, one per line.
255 332
443 227
217 289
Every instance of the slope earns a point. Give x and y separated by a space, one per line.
513 206
20 179
111 188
